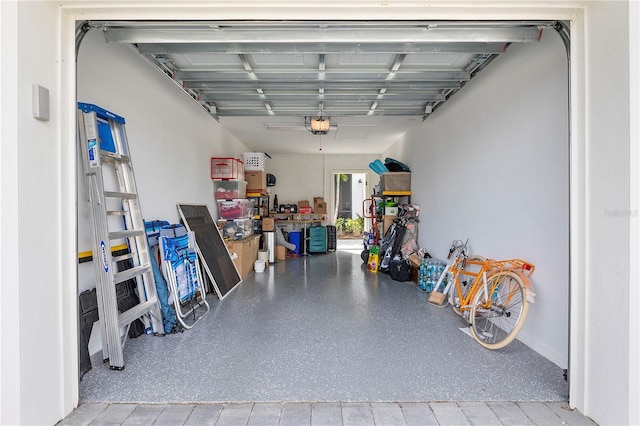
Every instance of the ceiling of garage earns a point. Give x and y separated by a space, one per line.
263 81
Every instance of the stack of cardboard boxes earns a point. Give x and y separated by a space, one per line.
246 253
319 206
304 207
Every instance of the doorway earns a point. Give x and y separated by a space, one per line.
345 209
349 190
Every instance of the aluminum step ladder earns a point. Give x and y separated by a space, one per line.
116 219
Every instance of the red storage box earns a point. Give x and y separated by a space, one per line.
227 168
304 210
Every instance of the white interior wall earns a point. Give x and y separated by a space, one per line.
607 212
634 210
171 137
33 41
36 197
10 362
492 166
298 177
33 255
302 177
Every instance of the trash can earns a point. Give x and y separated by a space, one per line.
295 239
269 243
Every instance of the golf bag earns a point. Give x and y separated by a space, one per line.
400 239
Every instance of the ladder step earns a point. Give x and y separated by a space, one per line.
117 235
123 195
136 312
128 274
117 212
109 156
122 257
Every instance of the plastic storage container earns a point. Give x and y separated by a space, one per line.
235 209
236 229
227 168
229 189
254 160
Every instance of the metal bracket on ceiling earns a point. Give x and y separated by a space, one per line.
82 28
565 34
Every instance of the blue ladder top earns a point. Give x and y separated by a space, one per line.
100 112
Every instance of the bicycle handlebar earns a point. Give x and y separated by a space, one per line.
458 247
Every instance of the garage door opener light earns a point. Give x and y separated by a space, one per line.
319 126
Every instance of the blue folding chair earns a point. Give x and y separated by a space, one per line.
181 269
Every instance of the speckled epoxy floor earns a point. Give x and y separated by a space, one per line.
322 328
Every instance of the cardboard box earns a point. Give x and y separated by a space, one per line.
247 253
319 206
415 260
281 252
437 298
303 203
415 272
256 180
391 211
267 224
395 181
387 221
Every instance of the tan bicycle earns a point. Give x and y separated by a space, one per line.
492 295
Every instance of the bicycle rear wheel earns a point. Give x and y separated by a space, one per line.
497 321
466 278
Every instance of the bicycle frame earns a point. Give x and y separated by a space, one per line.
479 280
486 267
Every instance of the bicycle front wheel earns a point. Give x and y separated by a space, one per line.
497 320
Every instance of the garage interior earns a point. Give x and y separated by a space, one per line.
323 328
253 87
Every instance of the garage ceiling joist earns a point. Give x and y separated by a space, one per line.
310 68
